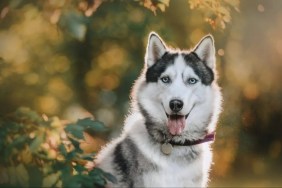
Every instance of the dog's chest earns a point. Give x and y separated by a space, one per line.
174 175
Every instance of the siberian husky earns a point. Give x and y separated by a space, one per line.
175 105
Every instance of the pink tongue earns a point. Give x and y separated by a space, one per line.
176 125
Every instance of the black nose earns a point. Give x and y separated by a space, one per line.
176 105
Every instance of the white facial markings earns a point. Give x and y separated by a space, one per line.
178 87
156 97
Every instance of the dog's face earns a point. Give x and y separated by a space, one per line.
177 91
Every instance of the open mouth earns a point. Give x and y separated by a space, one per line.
176 123
176 116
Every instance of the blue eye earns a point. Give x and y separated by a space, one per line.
165 79
192 81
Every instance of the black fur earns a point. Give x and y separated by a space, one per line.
200 68
154 130
122 162
154 72
127 163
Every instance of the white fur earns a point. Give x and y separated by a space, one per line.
205 50
155 48
173 170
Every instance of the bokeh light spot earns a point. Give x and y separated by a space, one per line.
260 8
59 88
220 52
251 91
48 104
110 82
31 79
136 16
93 78
111 58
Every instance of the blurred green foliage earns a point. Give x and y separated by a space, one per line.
45 152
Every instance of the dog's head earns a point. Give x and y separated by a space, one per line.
177 91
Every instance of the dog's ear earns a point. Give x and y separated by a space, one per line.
155 49
205 50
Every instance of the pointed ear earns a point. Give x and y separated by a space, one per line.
205 50
155 49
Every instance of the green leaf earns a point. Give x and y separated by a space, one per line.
35 144
18 142
12 126
75 130
26 113
97 175
66 176
88 157
58 166
63 150
91 125
110 177
101 182
36 176
96 172
79 168
76 145
73 182
80 180
88 183
71 155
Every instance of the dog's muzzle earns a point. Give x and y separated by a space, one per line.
176 121
176 105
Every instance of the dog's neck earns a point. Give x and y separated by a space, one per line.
208 138
167 145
